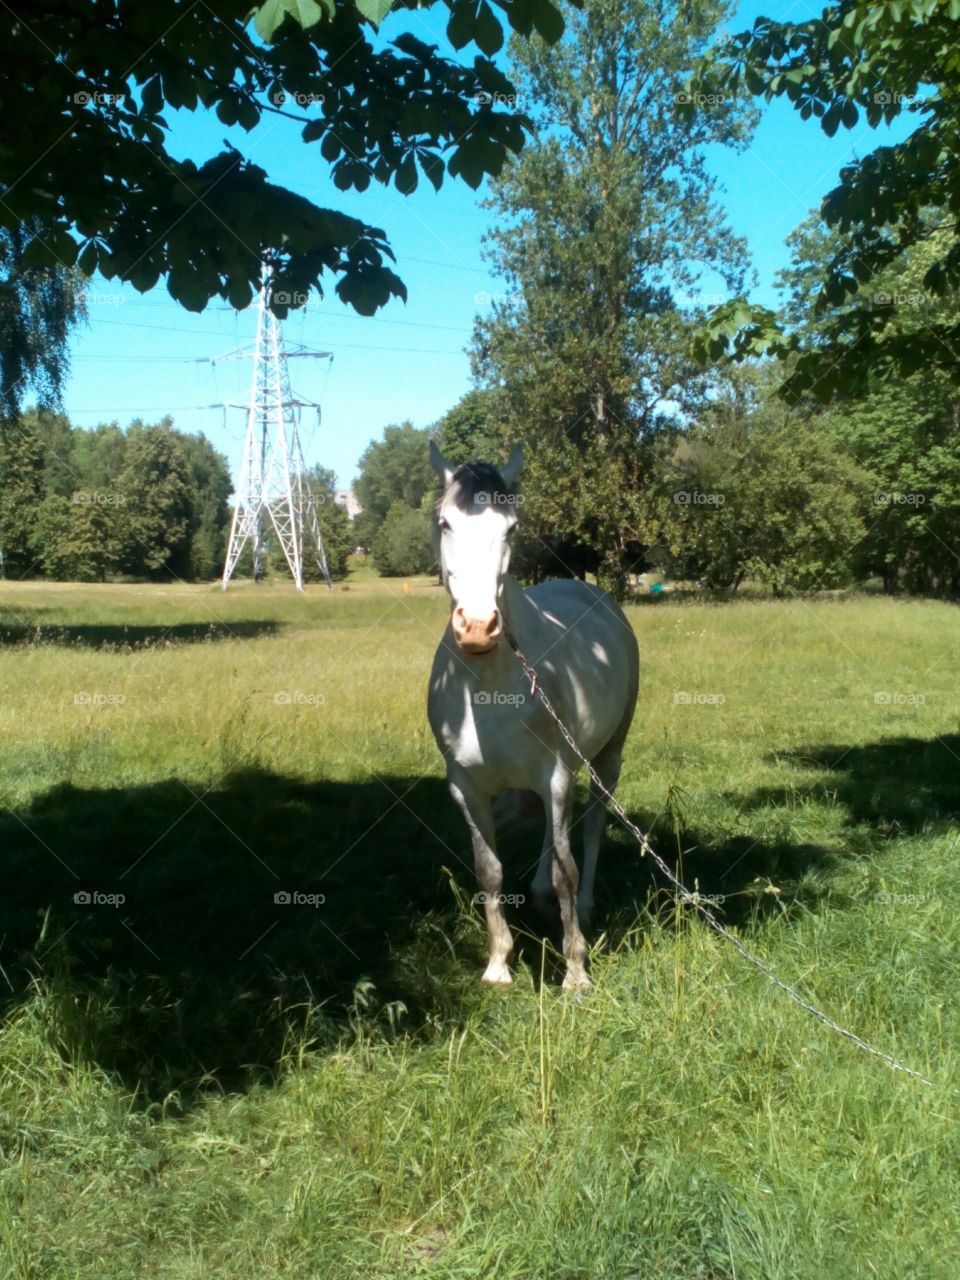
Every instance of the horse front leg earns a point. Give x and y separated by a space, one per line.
564 876
478 812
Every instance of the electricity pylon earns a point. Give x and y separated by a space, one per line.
273 489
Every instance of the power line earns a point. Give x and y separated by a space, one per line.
352 315
348 346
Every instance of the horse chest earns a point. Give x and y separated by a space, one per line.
492 728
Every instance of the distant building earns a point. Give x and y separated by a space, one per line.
347 499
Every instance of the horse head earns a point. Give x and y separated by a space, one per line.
476 519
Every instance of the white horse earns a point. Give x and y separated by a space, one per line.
493 734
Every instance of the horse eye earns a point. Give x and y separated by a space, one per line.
444 524
512 529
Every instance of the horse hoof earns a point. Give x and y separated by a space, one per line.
576 980
498 973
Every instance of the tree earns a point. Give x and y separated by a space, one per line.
908 439
211 487
336 527
21 493
471 431
38 307
907 435
758 491
156 492
606 226
85 163
404 544
96 458
76 541
394 469
878 61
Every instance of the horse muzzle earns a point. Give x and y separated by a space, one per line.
476 636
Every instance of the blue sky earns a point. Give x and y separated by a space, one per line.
143 355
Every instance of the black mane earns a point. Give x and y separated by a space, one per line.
472 479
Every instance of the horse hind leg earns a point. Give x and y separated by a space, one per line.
541 886
606 764
565 878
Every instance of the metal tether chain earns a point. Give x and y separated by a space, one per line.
646 847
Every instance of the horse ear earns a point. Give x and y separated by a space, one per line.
440 465
511 468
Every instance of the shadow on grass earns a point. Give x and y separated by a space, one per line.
900 785
221 953
139 636
220 948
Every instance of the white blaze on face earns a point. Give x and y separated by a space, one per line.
475 553
475 556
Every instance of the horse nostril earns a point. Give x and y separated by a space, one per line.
493 624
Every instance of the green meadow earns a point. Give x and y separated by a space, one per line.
243 1032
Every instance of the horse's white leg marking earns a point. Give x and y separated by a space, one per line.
564 876
607 765
478 811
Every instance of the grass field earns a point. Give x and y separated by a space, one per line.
201 1081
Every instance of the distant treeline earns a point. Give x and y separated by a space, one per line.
146 502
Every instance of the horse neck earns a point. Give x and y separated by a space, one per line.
519 612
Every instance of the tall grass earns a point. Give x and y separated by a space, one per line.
202 1081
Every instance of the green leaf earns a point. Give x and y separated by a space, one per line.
152 96
54 248
368 288
831 121
548 20
374 10
268 17
187 288
406 179
460 24
143 275
227 109
433 168
248 114
239 292
88 257
489 33
329 147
